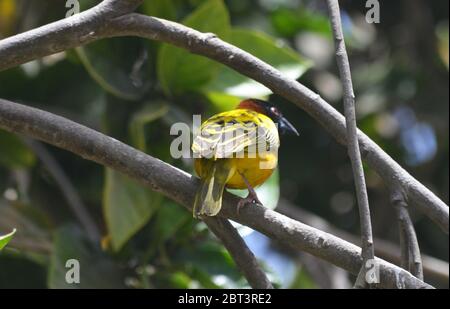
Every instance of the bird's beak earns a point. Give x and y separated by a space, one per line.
284 126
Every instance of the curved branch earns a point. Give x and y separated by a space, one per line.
180 187
99 22
244 258
410 251
367 252
244 63
434 269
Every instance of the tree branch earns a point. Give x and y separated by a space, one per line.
99 22
180 187
410 251
434 269
367 252
244 258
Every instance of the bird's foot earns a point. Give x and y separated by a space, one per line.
251 198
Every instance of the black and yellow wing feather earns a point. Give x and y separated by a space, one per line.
234 133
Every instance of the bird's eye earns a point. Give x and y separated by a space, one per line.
274 110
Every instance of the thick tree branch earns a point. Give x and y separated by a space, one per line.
66 33
244 258
99 22
352 139
410 252
180 187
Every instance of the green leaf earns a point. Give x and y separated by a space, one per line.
178 70
168 220
179 280
149 113
159 8
123 73
97 270
13 152
265 48
210 256
288 23
5 239
209 263
222 101
127 207
303 280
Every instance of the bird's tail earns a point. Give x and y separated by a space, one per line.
208 199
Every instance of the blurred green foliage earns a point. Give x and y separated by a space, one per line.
135 89
178 70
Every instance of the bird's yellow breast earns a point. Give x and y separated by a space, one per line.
252 171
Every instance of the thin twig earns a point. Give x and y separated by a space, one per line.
102 21
352 139
181 187
410 251
403 242
70 193
29 245
243 257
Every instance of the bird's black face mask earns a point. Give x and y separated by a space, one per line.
284 126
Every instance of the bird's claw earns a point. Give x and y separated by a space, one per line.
248 200
252 197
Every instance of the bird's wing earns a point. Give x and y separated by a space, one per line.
235 133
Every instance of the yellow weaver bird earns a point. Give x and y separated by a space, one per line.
237 149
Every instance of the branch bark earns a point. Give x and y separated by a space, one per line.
434 270
367 252
244 258
102 22
410 251
180 187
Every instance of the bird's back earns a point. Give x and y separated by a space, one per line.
248 140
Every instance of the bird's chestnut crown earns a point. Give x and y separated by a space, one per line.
271 111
